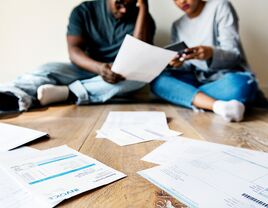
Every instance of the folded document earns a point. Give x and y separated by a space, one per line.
128 127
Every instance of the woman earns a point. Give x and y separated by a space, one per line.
213 73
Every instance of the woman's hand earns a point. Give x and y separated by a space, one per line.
199 52
176 62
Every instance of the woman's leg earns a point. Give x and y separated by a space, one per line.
227 95
173 89
232 110
239 86
203 101
176 87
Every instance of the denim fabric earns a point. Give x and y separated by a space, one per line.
95 90
90 89
180 87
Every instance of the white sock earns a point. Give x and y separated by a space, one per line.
232 110
47 94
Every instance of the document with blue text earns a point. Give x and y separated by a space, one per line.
57 174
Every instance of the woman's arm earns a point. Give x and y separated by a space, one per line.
228 53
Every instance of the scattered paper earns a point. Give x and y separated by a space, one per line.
15 195
125 128
203 174
59 173
14 136
22 152
182 148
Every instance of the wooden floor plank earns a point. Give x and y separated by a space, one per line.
132 191
76 127
66 125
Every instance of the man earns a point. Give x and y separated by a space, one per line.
95 33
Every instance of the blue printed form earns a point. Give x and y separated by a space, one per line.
60 173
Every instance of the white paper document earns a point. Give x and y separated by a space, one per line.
22 152
59 173
127 127
183 148
216 176
13 136
15 195
140 61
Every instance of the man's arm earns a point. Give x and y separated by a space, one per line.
78 56
144 28
76 49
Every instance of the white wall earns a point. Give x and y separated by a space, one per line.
32 32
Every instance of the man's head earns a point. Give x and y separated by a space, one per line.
191 7
122 8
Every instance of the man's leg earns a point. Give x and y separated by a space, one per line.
9 102
96 90
24 88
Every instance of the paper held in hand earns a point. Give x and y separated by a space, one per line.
140 61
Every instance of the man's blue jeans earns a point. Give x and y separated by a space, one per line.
87 86
181 87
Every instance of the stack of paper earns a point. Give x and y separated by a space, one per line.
202 174
45 178
125 128
14 136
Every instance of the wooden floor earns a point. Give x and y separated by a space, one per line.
76 127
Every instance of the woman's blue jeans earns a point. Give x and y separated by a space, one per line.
181 87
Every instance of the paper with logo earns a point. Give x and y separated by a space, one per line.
60 173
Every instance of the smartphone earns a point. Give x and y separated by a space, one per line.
178 47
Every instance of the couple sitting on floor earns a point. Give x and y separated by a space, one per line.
212 74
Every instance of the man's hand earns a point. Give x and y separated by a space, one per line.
199 52
142 3
176 62
144 27
108 75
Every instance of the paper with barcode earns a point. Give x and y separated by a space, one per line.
202 174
